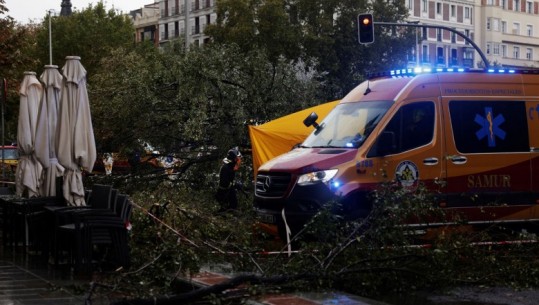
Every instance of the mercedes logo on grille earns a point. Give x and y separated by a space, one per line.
266 185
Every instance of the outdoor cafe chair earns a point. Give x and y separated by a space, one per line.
70 232
100 197
92 231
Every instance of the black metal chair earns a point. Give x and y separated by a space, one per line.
91 231
100 197
86 229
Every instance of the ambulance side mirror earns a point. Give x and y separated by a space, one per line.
310 120
386 143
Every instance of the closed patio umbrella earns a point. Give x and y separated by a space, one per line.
75 135
46 130
27 176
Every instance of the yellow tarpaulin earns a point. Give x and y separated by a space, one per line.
279 136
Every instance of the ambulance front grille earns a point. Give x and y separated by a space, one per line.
272 185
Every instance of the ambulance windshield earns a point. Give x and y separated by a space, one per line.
348 125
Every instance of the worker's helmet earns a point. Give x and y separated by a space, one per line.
233 155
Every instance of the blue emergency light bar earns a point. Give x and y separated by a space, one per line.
407 72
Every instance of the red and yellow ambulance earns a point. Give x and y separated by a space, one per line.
476 131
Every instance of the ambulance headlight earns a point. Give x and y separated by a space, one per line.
317 177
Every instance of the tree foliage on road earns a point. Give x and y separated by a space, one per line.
374 257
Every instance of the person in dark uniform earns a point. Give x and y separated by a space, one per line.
226 193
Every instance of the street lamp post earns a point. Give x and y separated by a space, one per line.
51 11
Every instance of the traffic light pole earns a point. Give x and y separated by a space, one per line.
417 25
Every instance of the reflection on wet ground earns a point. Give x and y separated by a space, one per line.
27 279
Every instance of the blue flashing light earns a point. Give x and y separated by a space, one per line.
349 144
410 72
335 184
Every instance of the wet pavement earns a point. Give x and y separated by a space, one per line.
27 279
21 286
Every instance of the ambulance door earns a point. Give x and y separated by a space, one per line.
410 146
488 157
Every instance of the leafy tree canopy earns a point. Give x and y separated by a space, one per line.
321 33
198 98
91 33
16 56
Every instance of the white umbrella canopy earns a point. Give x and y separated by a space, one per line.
46 130
75 149
27 176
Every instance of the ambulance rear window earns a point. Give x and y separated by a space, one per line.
489 126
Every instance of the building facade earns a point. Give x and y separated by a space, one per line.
509 32
146 21
187 19
506 31
441 48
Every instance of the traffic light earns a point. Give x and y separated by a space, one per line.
365 28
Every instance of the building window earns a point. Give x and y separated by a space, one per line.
453 11
529 30
424 5
488 23
467 13
438 34
425 53
529 7
496 48
516 28
504 26
438 8
529 53
488 48
454 58
516 52
410 5
503 4
516 5
504 50
440 58
495 24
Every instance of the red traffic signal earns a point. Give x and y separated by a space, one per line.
365 28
